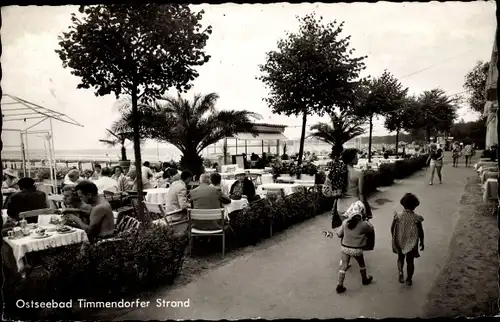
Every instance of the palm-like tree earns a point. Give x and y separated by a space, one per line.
343 127
191 126
118 138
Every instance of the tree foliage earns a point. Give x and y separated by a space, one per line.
378 96
475 86
343 128
137 50
435 111
311 71
191 126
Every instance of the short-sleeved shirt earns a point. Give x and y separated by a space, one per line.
405 232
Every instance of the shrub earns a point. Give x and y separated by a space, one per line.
106 271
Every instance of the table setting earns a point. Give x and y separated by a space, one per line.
51 231
157 195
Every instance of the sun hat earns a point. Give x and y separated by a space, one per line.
355 209
239 171
10 172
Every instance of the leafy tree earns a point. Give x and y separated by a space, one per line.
378 96
474 132
312 71
401 118
435 111
344 127
189 126
137 50
475 85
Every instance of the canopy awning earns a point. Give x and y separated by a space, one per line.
260 136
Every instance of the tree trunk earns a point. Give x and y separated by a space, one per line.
192 161
397 141
302 137
370 139
427 134
124 153
137 153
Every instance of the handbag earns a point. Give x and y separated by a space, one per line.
327 188
370 240
336 220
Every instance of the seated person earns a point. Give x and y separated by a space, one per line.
243 187
102 224
27 199
206 196
120 178
163 180
177 196
131 183
75 205
72 178
105 182
215 180
9 179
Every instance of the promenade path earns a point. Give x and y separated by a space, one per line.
296 276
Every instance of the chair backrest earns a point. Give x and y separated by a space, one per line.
33 213
206 214
127 223
155 208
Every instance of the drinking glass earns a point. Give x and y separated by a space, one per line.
10 233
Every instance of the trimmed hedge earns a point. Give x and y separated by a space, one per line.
152 257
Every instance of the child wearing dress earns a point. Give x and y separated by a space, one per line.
353 235
407 231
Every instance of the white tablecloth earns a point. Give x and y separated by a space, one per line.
490 190
267 178
236 205
484 163
157 196
22 246
288 188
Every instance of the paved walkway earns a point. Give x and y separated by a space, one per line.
296 277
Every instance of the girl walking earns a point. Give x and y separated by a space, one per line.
436 162
353 235
407 231
456 154
468 155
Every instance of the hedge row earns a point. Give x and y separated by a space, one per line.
151 257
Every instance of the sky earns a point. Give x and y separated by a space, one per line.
403 38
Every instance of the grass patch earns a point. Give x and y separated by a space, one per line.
468 282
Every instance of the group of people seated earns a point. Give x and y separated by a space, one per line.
83 207
116 180
210 194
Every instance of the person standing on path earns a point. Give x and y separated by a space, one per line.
468 154
355 184
407 231
436 162
353 235
456 153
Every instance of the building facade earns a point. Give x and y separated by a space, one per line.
491 106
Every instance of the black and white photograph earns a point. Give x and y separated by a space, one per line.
233 161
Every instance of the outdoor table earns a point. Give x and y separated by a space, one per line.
288 188
235 205
305 183
22 246
210 170
255 171
490 190
267 178
286 179
268 169
157 196
227 175
489 175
